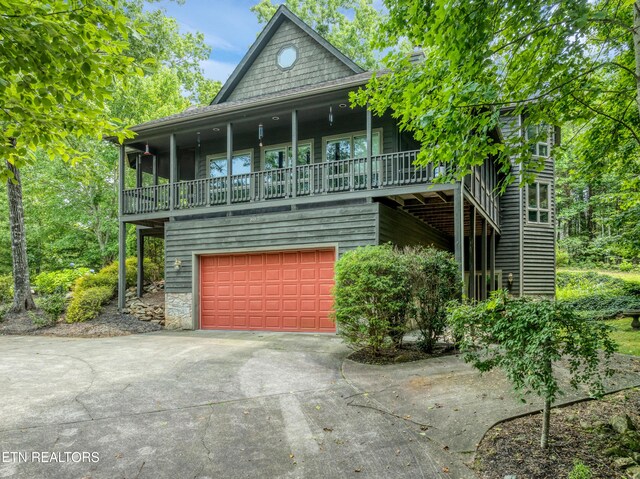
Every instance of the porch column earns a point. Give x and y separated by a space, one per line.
483 260
458 229
140 272
155 182
138 171
173 171
155 170
369 149
472 253
492 262
294 153
122 235
229 160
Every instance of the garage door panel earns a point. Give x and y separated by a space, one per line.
281 291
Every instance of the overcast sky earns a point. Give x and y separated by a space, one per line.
228 25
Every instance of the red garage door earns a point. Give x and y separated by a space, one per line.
274 291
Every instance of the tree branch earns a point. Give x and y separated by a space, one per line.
601 113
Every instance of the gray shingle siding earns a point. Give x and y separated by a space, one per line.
315 64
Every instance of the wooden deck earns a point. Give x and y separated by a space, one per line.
383 173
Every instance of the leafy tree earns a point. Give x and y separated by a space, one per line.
72 206
350 25
525 337
60 61
557 61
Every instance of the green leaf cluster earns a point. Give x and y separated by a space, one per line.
382 292
60 281
525 337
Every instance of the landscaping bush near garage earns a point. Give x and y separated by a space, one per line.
381 293
61 281
595 295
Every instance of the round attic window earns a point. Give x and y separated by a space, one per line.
287 57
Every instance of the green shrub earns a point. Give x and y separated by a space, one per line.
108 277
626 266
435 281
53 305
50 282
4 309
372 297
87 303
6 288
580 471
526 337
597 296
562 258
152 271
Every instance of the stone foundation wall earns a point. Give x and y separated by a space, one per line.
178 311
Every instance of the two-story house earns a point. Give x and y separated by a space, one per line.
259 193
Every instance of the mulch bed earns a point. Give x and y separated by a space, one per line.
108 323
578 433
407 352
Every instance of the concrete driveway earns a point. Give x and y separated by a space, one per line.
243 405
199 404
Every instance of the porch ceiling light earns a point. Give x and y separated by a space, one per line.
215 129
146 150
275 118
260 133
342 105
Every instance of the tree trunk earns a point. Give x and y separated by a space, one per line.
546 420
22 299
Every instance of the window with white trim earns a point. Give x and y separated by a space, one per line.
351 145
240 164
541 135
539 203
279 156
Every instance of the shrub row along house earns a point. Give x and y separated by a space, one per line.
251 235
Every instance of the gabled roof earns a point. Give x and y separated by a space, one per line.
282 14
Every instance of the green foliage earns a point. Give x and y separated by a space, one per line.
60 65
108 276
6 288
350 25
434 278
625 336
90 291
52 305
57 281
372 297
87 303
4 309
525 337
597 296
580 471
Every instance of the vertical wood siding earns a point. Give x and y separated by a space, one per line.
348 227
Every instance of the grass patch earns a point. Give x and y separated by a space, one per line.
627 339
